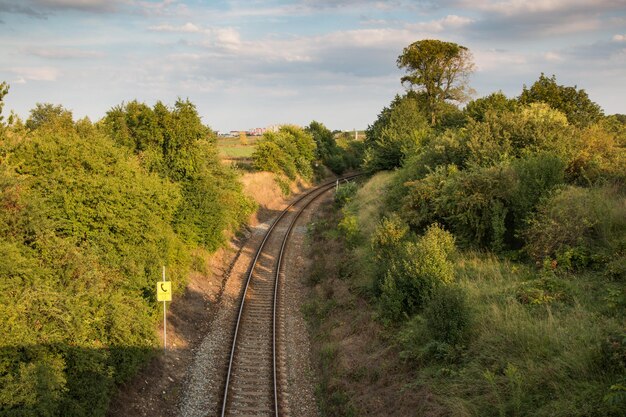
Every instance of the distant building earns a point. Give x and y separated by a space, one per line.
257 131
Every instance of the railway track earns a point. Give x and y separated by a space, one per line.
253 380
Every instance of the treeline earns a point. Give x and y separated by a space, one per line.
293 152
89 213
499 260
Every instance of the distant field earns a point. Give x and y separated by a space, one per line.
230 152
231 148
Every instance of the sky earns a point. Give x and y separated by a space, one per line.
247 64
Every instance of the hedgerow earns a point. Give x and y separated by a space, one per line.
88 215
290 152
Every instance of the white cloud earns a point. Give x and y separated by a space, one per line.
619 38
517 7
495 59
553 57
35 73
85 5
64 53
447 23
224 37
227 37
186 28
523 19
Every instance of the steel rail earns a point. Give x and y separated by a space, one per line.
316 193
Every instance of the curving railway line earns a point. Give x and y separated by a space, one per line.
253 381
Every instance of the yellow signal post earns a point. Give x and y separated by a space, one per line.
164 293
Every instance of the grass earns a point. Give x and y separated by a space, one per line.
232 148
367 203
541 359
231 152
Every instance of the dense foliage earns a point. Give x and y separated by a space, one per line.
574 103
537 185
337 157
175 144
88 214
398 131
289 152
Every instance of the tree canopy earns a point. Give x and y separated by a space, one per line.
438 69
573 102
49 114
397 131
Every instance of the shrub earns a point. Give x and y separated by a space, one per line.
546 290
578 221
85 224
513 134
448 315
475 203
84 230
290 151
494 102
573 102
327 150
537 175
349 228
413 273
345 193
596 157
174 143
387 242
420 205
438 151
397 131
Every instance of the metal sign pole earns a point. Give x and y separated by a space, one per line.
164 319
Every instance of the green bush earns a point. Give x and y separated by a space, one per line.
537 176
290 152
387 242
448 315
495 102
268 156
86 222
345 193
84 231
415 271
420 203
327 151
596 158
398 130
513 134
582 225
483 206
349 228
475 203
174 143
573 102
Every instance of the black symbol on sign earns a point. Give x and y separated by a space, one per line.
163 288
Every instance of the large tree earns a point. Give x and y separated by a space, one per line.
438 69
